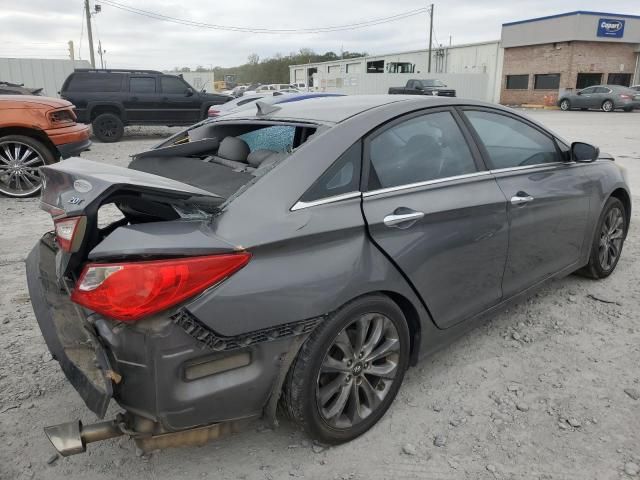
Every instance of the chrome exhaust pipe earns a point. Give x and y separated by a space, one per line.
71 438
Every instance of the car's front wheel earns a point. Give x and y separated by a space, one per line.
565 105
607 243
349 370
20 158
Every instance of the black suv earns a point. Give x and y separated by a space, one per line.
111 99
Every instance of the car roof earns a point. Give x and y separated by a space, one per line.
336 109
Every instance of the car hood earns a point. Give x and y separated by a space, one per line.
31 101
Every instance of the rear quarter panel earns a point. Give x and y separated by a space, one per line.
327 262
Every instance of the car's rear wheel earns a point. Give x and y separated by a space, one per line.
607 106
565 105
108 127
608 240
20 158
349 370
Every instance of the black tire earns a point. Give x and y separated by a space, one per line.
596 268
108 127
565 104
23 180
301 396
607 106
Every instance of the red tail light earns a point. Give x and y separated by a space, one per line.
130 291
213 113
626 97
69 232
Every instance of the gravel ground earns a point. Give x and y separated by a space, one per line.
549 389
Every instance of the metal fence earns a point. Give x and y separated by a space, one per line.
39 72
467 85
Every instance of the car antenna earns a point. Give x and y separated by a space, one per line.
266 108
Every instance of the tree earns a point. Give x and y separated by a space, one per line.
253 59
185 69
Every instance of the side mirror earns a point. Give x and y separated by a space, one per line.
189 92
578 92
418 87
584 152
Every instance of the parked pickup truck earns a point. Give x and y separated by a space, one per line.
424 87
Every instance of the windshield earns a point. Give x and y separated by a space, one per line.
432 83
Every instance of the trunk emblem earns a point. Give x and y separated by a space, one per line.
82 186
75 200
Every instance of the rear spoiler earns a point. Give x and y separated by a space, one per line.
73 186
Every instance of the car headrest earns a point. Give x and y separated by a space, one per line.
420 144
233 148
256 157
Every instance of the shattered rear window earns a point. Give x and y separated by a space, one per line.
278 138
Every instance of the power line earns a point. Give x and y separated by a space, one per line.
232 28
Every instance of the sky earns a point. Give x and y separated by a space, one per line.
42 28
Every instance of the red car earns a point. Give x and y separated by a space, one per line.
35 131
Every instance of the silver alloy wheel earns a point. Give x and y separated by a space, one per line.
564 105
19 164
607 106
358 370
611 237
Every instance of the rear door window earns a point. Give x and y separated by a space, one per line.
142 85
422 148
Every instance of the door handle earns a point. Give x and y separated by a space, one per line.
394 220
521 198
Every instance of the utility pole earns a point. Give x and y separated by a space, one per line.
100 52
430 36
71 52
89 34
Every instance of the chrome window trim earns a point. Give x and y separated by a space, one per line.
529 167
299 205
425 183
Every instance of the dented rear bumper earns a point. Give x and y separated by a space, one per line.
161 369
69 337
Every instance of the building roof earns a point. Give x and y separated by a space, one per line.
392 54
570 14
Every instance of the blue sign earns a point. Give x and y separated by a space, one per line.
608 27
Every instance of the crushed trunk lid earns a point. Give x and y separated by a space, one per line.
74 186
78 188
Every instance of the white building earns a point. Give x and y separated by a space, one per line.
39 72
474 70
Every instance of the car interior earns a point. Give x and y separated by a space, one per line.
222 158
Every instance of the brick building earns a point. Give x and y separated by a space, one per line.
544 57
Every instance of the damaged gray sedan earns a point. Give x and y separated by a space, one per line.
304 256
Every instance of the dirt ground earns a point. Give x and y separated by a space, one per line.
547 390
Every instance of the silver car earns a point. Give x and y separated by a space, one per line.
601 97
305 254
